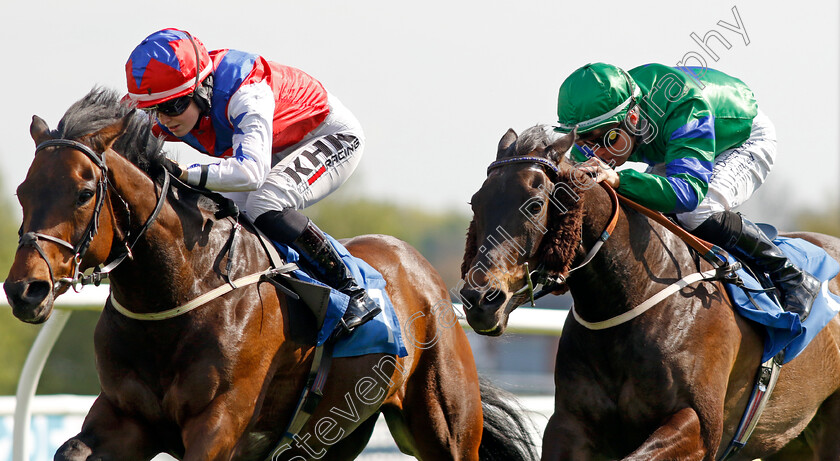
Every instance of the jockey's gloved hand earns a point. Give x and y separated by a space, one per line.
175 169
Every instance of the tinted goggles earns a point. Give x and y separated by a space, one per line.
173 107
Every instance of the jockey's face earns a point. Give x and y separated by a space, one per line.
180 125
612 143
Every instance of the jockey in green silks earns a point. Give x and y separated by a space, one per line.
707 145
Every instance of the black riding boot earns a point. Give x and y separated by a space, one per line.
328 267
321 260
745 240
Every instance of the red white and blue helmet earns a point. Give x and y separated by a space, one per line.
163 67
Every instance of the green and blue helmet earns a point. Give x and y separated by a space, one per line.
594 96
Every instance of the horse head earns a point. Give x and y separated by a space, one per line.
69 221
527 217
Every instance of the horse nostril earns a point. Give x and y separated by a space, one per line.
30 293
470 297
37 291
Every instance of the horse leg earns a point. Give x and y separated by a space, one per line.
561 441
108 434
213 433
440 417
352 446
678 438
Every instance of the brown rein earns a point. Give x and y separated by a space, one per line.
707 251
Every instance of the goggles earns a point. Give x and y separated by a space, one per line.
172 107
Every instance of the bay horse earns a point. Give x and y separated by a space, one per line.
671 384
221 381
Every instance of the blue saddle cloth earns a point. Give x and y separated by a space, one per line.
784 330
378 335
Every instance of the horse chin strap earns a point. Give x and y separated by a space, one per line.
79 250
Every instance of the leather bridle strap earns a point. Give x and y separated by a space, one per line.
525 159
94 157
104 272
551 283
80 249
607 231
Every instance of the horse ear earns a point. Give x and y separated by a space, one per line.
39 130
103 139
507 140
564 143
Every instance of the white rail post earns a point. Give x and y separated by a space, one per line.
29 378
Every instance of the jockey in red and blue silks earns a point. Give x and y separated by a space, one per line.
281 140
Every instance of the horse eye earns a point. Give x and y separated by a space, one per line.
84 197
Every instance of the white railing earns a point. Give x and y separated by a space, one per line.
522 321
91 298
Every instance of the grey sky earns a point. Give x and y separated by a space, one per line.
436 83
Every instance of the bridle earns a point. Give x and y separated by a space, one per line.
541 276
80 249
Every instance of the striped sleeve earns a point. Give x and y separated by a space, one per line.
689 159
250 112
581 154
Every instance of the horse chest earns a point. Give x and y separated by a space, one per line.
616 386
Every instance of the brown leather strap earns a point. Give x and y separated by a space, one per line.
614 197
703 247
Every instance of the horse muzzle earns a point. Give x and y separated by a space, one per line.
31 300
485 310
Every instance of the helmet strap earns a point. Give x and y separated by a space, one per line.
197 61
203 91
203 95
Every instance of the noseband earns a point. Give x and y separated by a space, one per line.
541 276
80 249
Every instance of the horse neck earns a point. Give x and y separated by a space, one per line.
164 269
628 269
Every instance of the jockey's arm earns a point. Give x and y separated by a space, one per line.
688 159
250 112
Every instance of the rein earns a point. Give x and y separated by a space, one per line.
706 250
80 249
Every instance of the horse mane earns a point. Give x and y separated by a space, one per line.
559 243
102 107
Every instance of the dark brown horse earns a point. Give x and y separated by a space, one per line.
670 384
221 381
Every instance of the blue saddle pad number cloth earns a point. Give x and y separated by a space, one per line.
380 335
784 329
